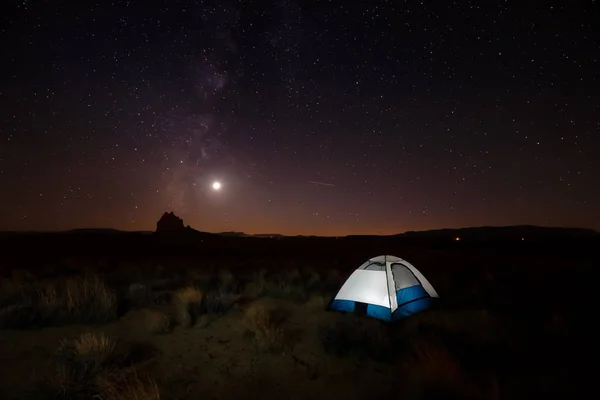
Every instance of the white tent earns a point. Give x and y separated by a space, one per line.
385 287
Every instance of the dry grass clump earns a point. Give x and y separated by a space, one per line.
93 366
362 338
266 325
89 353
219 302
257 286
312 279
157 320
227 282
432 371
84 300
187 302
318 301
77 300
286 284
140 295
127 386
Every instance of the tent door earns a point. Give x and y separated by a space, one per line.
360 308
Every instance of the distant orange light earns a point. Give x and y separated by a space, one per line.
457 239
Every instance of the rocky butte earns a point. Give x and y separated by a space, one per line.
169 222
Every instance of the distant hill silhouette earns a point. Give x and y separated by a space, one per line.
178 241
524 232
170 223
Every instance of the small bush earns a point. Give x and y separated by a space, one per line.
227 282
77 300
432 371
257 286
88 353
362 338
284 287
84 300
219 302
312 278
187 302
266 324
127 386
12 292
140 295
93 366
318 301
17 316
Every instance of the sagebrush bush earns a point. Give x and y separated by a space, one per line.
311 278
186 303
266 325
286 286
88 354
84 300
367 338
227 282
93 366
433 371
257 285
140 295
77 300
218 302
127 386
318 301
17 316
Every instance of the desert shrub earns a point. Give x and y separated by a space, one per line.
92 366
218 302
17 316
156 320
77 300
73 300
312 279
21 275
286 286
127 386
266 325
140 295
433 371
333 280
226 281
12 292
199 277
366 338
186 303
318 301
257 285
80 359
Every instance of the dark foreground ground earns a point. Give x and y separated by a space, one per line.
116 316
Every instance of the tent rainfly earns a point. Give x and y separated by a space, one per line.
385 287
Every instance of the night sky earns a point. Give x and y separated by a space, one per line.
317 117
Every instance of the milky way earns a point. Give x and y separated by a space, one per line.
318 117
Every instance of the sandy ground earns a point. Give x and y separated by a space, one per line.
217 358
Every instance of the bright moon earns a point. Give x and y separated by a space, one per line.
216 185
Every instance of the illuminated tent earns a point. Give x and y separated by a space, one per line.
385 287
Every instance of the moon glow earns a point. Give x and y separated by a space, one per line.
216 185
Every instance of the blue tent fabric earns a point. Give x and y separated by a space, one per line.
343 305
410 294
411 308
379 312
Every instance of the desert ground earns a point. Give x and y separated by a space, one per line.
82 317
